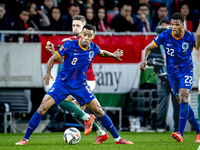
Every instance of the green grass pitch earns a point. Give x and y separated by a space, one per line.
142 141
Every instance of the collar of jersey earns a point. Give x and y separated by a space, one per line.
81 46
180 37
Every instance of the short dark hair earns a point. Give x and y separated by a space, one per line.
142 4
2 5
24 9
89 27
162 5
80 17
163 21
75 5
124 5
178 16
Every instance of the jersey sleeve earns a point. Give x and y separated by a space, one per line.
159 39
97 50
63 49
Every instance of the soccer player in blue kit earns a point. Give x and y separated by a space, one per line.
71 80
178 45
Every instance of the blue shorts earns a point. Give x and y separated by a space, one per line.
59 91
184 80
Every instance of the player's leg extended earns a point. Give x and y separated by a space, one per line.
183 114
106 121
183 98
78 114
47 102
95 126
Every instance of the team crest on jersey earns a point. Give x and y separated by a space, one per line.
91 55
185 46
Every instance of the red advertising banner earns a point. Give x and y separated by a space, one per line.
132 46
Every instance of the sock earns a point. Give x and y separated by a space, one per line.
95 127
199 108
77 113
107 123
117 139
34 122
183 116
192 120
86 117
72 108
100 132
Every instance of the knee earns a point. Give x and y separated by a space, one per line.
183 97
42 110
99 112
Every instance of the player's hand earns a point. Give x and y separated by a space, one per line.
129 19
30 29
143 65
198 54
143 17
50 47
47 78
66 39
117 54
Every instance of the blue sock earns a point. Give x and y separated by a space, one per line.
183 116
192 120
34 122
107 123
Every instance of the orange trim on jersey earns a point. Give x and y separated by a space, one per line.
180 37
154 43
58 54
81 46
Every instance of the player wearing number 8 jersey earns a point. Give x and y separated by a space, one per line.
178 44
72 81
90 73
77 25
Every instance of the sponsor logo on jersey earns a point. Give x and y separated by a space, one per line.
185 46
61 48
51 89
188 85
169 44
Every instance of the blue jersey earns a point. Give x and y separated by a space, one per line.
76 63
178 51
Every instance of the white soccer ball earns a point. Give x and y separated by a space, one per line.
72 136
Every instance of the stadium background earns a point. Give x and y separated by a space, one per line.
23 66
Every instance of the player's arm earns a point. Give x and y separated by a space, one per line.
145 54
50 48
198 42
66 39
50 64
117 54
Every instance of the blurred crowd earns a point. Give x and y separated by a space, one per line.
104 15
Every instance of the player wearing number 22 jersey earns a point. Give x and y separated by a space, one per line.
178 58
